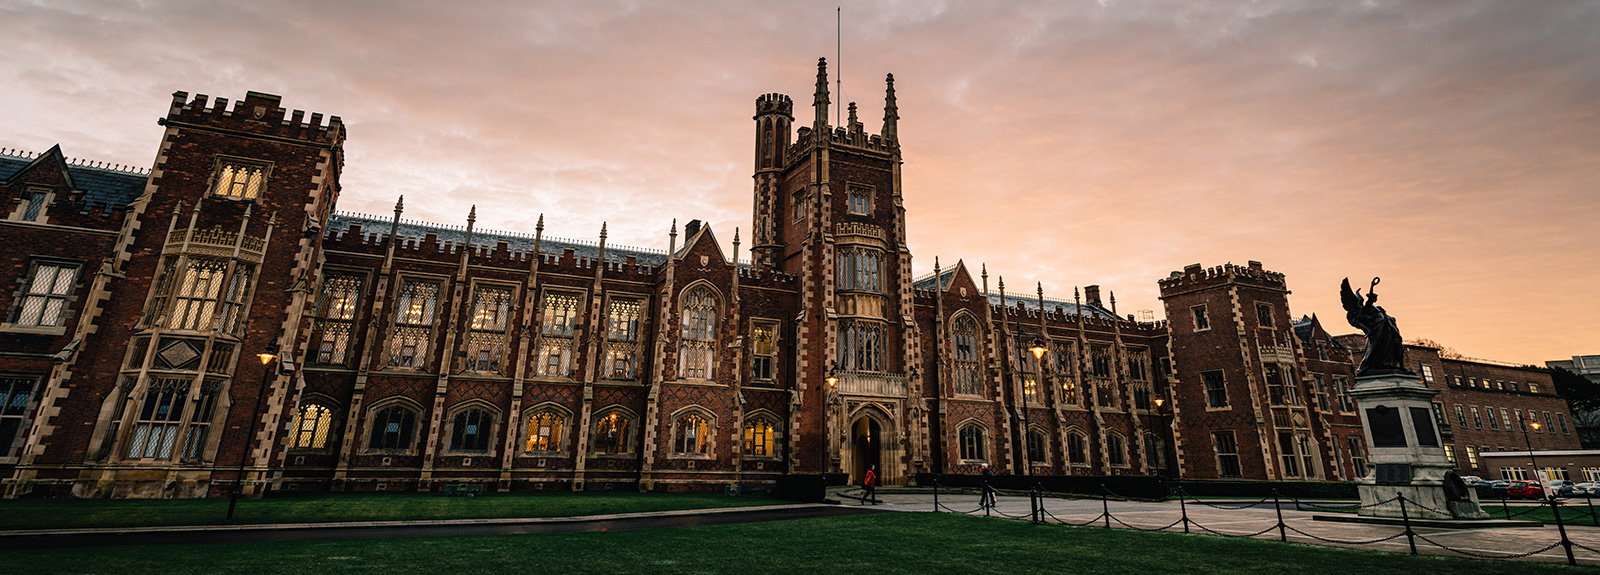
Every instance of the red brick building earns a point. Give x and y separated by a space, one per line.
412 355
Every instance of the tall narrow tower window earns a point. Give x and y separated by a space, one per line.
698 351
622 338
964 336
557 334
335 318
860 200
413 324
486 341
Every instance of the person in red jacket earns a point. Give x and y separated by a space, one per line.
870 485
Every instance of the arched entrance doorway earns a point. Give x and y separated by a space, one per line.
866 438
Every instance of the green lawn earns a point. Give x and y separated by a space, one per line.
866 544
59 513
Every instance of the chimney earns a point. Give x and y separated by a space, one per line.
1091 294
692 228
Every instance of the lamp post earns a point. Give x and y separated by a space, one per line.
1531 460
1151 416
267 356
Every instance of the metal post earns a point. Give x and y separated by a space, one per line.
1504 507
936 496
1411 536
244 457
1555 508
1592 517
1184 506
1276 506
1105 509
1033 503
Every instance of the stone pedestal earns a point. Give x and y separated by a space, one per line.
1406 453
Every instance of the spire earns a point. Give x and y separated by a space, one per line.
821 98
855 124
891 112
602 230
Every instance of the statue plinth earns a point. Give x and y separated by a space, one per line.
1406 454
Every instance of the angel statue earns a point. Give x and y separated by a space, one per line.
1385 351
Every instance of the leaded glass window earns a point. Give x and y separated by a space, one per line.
194 443
546 428
44 300
415 309
486 337
622 338
313 425
972 443
394 428
763 351
691 435
155 430
860 269
559 324
611 434
964 335
471 430
239 180
698 349
861 345
1077 448
335 318
15 395
1116 450
758 437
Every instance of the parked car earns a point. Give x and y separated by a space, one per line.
1471 479
1561 487
1587 489
1499 485
1525 490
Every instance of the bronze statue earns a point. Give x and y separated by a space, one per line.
1385 350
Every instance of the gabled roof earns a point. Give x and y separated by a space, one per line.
926 282
1306 327
100 185
416 230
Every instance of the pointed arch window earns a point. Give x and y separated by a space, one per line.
1116 450
759 437
313 425
546 428
611 433
335 318
964 336
557 334
240 180
972 442
699 344
486 338
415 308
691 435
1077 448
393 428
622 338
1038 447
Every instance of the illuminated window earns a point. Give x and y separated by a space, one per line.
471 430
335 319
313 425
205 284
545 429
486 335
691 435
698 349
622 338
415 308
611 434
393 428
1591 474
1427 373
758 436
558 325
239 180
965 337
763 352
1450 454
44 300
972 443
1472 457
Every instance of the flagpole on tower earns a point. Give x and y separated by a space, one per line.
838 60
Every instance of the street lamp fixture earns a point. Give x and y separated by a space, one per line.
1038 348
833 375
267 356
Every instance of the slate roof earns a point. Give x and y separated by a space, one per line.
926 282
1032 303
412 229
114 188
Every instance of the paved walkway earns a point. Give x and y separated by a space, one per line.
97 537
1227 518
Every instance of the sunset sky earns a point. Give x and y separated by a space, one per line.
1452 148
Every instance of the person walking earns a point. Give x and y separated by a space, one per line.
869 485
988 490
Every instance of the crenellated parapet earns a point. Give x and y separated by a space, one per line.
1195 277
257 113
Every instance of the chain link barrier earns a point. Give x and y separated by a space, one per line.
1039 513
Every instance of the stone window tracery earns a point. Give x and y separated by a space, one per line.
546 429
964 336
972 442
486 335
698 349
557 334
335 319
415 309
313 425
622 338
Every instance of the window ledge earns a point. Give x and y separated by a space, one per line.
33 329
695 456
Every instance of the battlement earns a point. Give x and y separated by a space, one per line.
775 104
1195 277
257 113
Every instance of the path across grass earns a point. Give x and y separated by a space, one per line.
17 514
882 544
